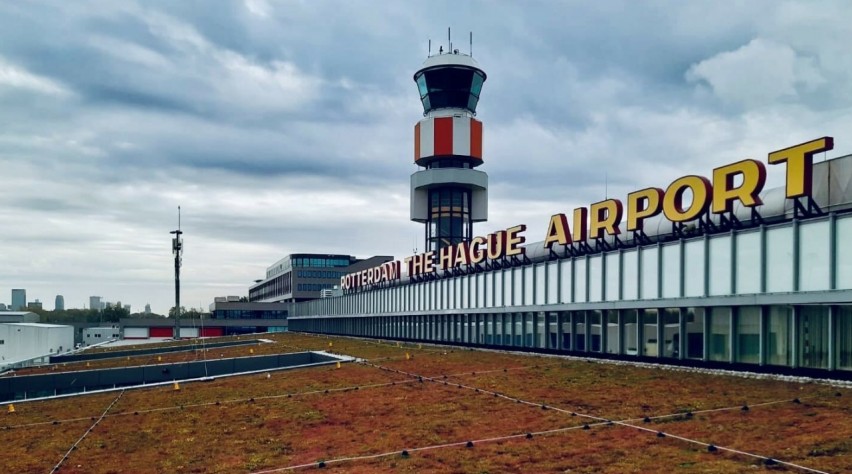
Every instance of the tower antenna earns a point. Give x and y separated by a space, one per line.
430 49
449 40
471 44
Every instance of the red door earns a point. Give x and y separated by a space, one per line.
162 332
212 332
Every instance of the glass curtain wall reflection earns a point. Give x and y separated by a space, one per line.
844 337
631 331
748 334
813 336
778 335
594 330
613 332
720 334
671 333
695 333
580 328
649 332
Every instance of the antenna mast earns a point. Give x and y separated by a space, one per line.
177 250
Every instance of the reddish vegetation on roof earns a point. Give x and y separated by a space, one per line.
304 416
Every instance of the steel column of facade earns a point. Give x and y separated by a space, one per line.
832 326
763 258
796 255
547 317
661 332
733 317
515 329
478 331
832 251
560 332
706 290
764 334
640 332
499 328
439 327
682 333
604 319
682 265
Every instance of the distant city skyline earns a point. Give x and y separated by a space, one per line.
20 303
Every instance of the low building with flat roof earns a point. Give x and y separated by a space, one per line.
20 342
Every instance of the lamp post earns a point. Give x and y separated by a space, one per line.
177 251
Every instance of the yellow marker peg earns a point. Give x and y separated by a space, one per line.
338 364
176 388
159 358
128 357
11 408
397 343
420 346
251 351
407 356
330 344
88 364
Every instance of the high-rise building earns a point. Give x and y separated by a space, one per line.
2 307
127 308
35 304
95 303
59 305
19 299
147 309
448 195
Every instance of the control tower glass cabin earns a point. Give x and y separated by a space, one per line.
448 195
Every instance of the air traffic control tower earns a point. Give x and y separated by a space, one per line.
448 195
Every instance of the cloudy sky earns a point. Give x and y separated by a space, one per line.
287 126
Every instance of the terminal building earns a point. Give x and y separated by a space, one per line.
709 273
302 276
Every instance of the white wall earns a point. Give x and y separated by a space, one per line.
25 341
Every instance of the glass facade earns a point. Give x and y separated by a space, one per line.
812 331
449 218
720 334
671 333
779 336
457 87
695 333
843 316
761 296
748 334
